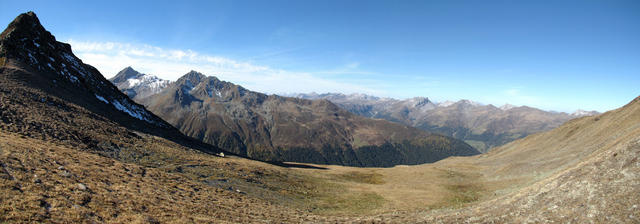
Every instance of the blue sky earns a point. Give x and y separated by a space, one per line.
555 55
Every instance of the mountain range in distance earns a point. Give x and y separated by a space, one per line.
75 149
276 128
481 126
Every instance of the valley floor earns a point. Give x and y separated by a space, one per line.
44 181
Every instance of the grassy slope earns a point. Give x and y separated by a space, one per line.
136 177
453 190
586 170
132 176
116 192
190 186
570 167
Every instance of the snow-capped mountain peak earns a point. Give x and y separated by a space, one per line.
507 107
446 103
582 113
138 85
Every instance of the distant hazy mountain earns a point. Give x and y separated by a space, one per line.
482 126
137 85
275 128
582 113
587 166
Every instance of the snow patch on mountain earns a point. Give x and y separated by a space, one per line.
211 92
25 40
102 99
446 103
139 85
582 113
507 107
124 106
150 81
188 87
132 110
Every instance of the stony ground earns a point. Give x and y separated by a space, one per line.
49 183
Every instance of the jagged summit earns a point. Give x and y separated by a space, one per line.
192 76
26 24
195 85
420 101
138 85
507 106
275 128
38 71
125 74
29 44
26 40
27 48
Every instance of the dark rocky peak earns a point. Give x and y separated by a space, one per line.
125 74
53 63
26 35
192 78
200 85
207 87
213 83
420 101
188 82
26 25
25 40
184 89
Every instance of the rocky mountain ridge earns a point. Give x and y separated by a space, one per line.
36 65
275 128
26 41
482 126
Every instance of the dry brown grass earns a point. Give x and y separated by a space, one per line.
362 177
587 166
498 186
116 192
66 157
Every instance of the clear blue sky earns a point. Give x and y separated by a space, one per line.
556 55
